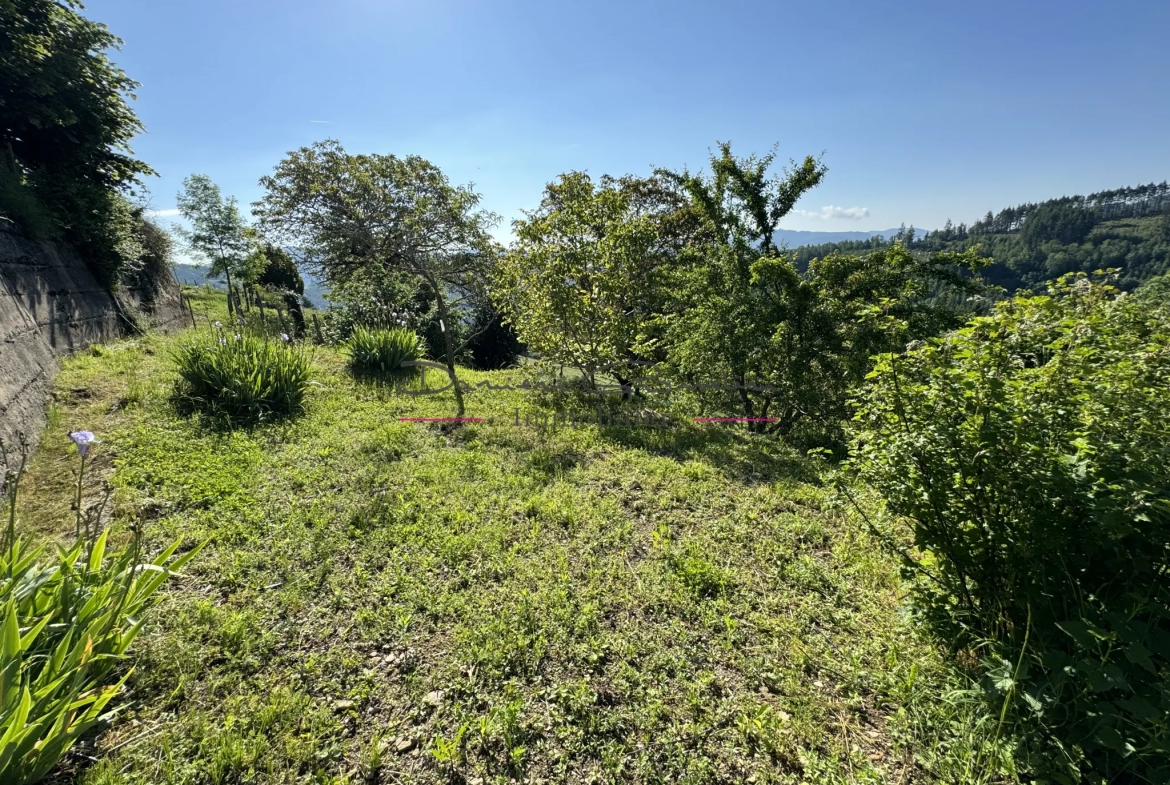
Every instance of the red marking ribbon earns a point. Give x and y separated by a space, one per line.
440 419
737 419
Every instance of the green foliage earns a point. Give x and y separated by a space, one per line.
494 344
1155 292
716 330
1067 224
360 216
696 572
243 378
789 343
379 299
1029 452
280 271
65 626
380 352
218 232
65 127
354 214
280 274
580 280
1032 244
153 267
20 206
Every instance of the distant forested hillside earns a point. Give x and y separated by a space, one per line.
1127 228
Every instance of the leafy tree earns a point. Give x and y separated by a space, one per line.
793 343
65 128
280 273
719 326
359 216
218 231
582 276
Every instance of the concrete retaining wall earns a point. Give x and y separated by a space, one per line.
51 305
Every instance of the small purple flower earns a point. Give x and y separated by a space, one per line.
284 337
219 325
83 439
223 341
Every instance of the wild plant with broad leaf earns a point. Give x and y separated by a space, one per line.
1029 453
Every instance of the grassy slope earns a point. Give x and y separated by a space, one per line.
397 602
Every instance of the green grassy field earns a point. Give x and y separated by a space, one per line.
399 602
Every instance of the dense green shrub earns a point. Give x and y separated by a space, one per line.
376 298
494 343
153 269
380 352
19 207
243 378
280 275
1031 453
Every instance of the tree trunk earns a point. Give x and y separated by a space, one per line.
627 389
450 350
746 398
294 310
229 283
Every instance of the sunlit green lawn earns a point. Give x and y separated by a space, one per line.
400 602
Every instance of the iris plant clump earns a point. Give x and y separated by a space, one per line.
67 618
382 352
243 378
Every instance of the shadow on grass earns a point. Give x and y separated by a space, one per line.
746 458
213 417
549 465
738 455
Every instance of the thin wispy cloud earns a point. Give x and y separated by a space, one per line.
322 122
831 211
170 213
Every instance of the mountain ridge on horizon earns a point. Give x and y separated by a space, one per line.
796 238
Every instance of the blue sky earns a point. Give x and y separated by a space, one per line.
924 110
